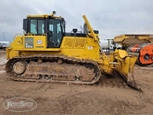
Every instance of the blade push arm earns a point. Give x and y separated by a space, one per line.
90 28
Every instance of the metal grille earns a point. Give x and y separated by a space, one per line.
79 43
68 42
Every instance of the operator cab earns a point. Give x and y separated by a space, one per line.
46 25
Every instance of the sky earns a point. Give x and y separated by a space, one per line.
110 17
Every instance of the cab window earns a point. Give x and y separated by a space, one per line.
36 26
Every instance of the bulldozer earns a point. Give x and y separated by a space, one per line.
47 53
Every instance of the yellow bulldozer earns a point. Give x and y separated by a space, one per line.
47 53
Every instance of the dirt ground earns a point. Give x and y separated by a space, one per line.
107 97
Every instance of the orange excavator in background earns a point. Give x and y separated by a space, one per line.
138 43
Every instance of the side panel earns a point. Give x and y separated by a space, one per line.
79 47
29 43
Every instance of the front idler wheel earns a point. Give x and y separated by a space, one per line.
19 67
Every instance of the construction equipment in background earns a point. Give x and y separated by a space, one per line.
4 44
107 46
145 51
138 43
127 40
47 53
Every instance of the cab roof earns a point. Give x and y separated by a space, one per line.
44 16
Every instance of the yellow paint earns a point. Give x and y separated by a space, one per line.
140 37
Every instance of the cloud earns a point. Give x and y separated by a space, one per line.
110 17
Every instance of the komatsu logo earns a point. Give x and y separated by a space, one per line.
39 41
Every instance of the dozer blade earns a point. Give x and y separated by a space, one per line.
125 68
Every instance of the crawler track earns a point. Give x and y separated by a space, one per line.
54 68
